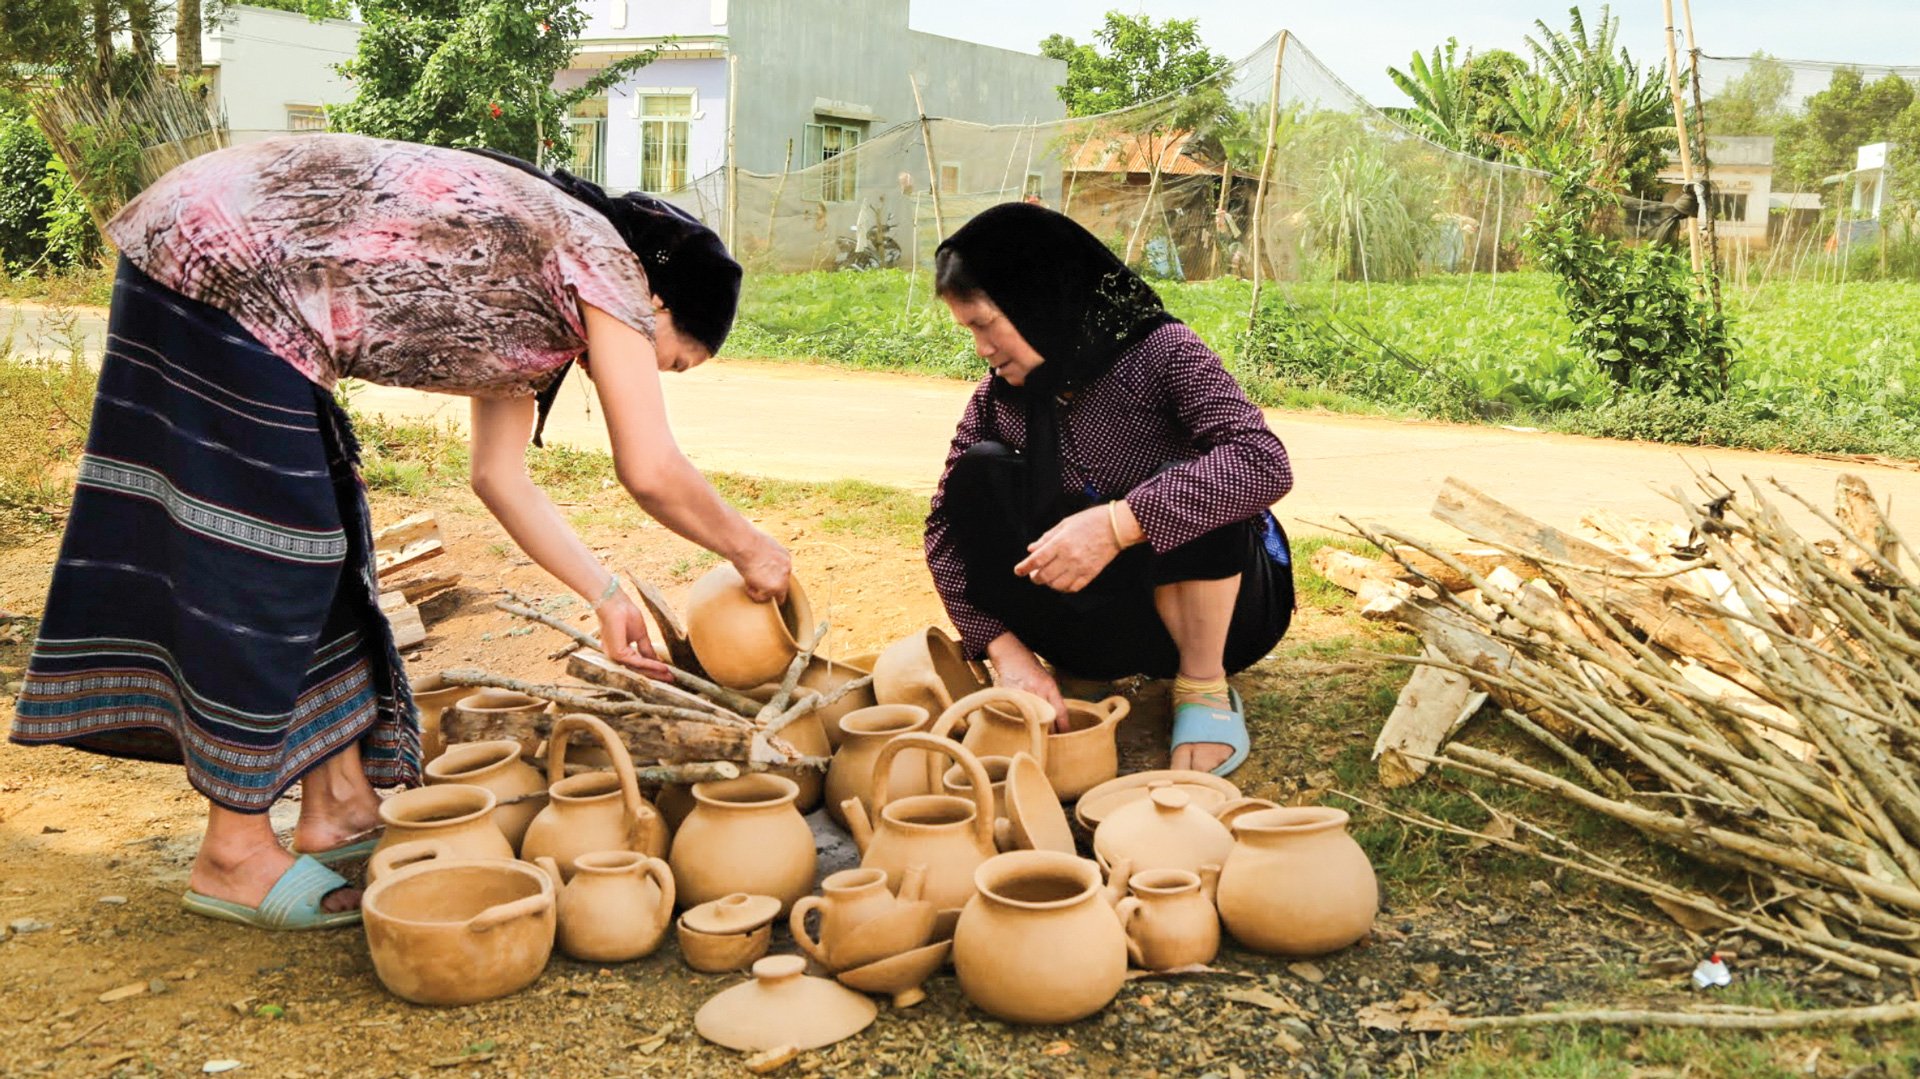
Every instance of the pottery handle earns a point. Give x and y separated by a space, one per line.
399 855
616 750
913 882
1116 709
1128 910
500 914
662 875
797 921
1034 711
552 869
982 787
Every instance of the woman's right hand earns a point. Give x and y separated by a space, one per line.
623 637
1016 667
766 567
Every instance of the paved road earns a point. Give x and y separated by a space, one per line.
795 421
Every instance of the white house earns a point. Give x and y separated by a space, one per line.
273 71
1742 169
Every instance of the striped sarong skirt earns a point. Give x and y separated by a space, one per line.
214 600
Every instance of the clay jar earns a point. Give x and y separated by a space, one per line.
457 816
594 811
744 835
926 670
864 734
810 738
740 642
431 696
1039 942
617 906
496 766
1296 883
861 919
949 836
476 715
1170 919
459 931
1163 831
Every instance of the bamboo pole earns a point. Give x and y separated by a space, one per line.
933 170
779 192
1266 163
733 163
1706 163
1153 192
1220 208
1680 122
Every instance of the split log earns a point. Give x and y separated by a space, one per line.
673 632
1416 564
1349 570
1433 705
407 543
647 737
421 586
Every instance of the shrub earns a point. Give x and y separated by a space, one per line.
24 198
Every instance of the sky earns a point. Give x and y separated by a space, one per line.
1359 39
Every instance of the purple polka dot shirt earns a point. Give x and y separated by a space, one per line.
1168 398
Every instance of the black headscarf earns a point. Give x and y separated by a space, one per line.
687 266
1073 300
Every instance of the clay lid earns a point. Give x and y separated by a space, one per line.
781 1006
1164 831
736 913
1033 811
1101 802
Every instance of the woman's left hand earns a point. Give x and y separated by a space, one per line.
1072 553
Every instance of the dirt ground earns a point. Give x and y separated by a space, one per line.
94 854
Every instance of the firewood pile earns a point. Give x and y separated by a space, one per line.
1738 690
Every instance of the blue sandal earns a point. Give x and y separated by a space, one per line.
346 853
1194 722
294 902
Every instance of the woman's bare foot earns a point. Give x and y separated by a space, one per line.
337 804
240 861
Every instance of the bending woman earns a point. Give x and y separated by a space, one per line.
1105 501
214 600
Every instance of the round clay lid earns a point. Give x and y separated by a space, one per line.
782 1006
736 913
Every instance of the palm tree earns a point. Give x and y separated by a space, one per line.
1442 108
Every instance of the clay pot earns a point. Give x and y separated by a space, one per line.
899 976
1000 721
495 710
728 933
1296 883
954 781
925 669
783 1007
1165 831
1038 942
594 811
674 801
617 906
949 836
1035 820
861 920
1078 759
824 675
1228 812
459 931
1170 919
864 734
457 816
810 738
496 766
742 643
431 696
744 835
1205 789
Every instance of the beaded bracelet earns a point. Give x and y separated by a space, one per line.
607 593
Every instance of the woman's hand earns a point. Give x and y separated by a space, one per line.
766 567
623 637
1016 667
1075 551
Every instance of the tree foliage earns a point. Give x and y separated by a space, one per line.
1850 113
1753 102
469 73
312 9
1131 60
69 39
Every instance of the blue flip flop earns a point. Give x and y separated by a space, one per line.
293 903
1197 722
346 853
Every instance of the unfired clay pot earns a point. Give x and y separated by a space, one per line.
1164 831
497 766
744 835
864 734
494 710
949 836
783 1007
1078 759
899 976
431 696
810 738
824 675
1039 942
1296 882
595 810
861 919
728 933
925 669
1206 790
1170 918
459 931
456 815
742 643
617 906
1000 721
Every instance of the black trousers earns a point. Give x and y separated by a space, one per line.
1110 629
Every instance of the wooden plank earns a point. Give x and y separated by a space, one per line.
647 737
1432 706
407 543
408 629
1351 571
422 586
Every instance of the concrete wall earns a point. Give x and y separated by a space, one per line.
707 134
267 60
640 19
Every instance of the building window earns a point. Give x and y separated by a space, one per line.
1729 207
948 181
665 122
823 145
587 144
306 118
1035 185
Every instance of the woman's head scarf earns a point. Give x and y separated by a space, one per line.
1073 300
687 266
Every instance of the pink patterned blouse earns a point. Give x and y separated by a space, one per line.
385 261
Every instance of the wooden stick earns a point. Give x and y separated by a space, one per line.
1266 164
1793 1020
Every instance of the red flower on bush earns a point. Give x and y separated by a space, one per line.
494 108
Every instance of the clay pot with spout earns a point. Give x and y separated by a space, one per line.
864 734
926 669
456 816
1163 831
497 766
459 931
1170 918
739 641
1039 942
949 836
593 811
1296 883
431 696
744 835
617 906
1079 758
862 920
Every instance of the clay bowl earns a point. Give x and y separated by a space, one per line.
904 928
717 953
459 932
493 710
1034 815
899 976
1203 789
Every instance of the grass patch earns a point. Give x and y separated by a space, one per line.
46 408
90 286
1597 1053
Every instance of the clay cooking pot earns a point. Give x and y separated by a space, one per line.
457 816
1165 831
459 931
1170 919
1039 942
744 835
740 642
491 712
926 669
1296 882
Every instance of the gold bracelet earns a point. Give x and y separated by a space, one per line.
1113 522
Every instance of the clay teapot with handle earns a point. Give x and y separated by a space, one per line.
862 920
617 906
1170 918
950 836
593 811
